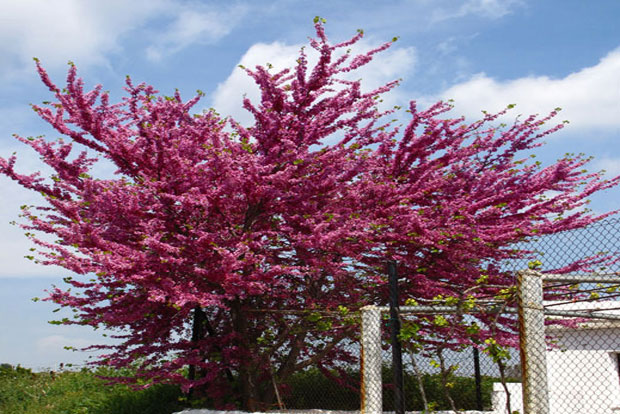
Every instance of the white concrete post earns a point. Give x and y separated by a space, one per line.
372 399
533 346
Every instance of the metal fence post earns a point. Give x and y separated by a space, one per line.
372 398
532 342
478 379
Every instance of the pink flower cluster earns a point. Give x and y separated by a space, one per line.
209 229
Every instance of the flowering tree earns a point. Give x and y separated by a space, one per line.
209 230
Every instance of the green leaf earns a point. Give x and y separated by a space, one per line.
314 317
440 320
534 264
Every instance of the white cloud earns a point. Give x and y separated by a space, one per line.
87 31
228 97
590 97
14 245
62 30
490 9
387 66
194 24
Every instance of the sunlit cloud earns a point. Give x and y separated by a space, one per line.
73 30
228 97
194 24
65 30
490 9
590 97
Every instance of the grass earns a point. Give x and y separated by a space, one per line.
79 392
82 392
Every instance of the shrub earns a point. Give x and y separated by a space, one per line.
76 392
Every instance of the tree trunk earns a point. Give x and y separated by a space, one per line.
200 329
250 395
198 333
446 373
420 380
502 375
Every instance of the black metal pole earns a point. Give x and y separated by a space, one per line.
478 379
397 356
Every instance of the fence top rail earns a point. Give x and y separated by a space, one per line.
582 278
439 308
593 314
423 308
582 313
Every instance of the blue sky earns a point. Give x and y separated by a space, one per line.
485 54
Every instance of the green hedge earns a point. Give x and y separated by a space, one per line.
81 392
78 392
312 389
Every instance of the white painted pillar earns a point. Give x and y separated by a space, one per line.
372 398
533 345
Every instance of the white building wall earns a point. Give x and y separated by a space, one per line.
583 372
582 368
579 381
498 398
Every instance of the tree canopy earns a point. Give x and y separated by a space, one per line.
209 231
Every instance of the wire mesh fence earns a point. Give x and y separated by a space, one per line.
331 382
573 368
582 324
582 365
440 373
460 378
454 380
579 349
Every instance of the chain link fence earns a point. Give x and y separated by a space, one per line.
440 374
582 364
435 379
581 310
576 321
567 361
